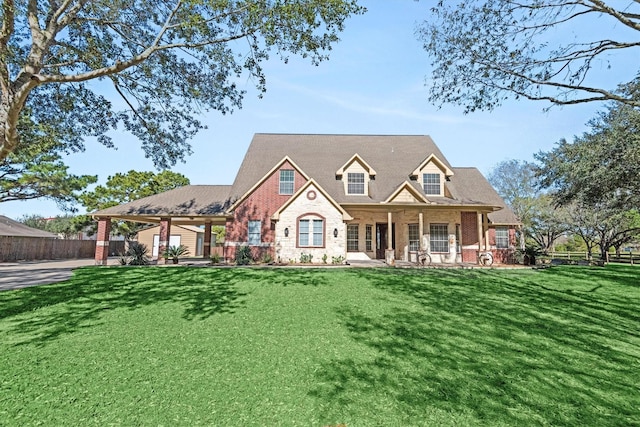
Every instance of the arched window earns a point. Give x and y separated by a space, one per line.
311 231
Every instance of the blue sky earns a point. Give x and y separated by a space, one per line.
374 83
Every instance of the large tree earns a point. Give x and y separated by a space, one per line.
36 170
517 183
604 226
127 187
601 164
67 226
485 51
167 60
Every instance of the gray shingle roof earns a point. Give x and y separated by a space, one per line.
9 227
393 157
190 200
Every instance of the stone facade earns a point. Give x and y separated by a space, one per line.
311 203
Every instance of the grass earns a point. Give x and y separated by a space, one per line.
305 347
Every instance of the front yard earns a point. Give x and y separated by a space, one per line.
318 347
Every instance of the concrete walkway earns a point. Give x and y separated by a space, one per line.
16 275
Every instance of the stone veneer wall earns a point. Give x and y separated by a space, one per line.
286 248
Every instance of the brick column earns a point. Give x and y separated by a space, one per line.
206 252
102 241
165 233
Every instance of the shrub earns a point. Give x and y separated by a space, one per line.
324 258
337 259
305 258
243 255
175 252
266 258
215 258
137 254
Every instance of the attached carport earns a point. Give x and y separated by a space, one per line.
189 205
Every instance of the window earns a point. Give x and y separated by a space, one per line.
286 181
431 183
502 237
414 237
352 238
355 183
255 232
310 232
368 237
439 238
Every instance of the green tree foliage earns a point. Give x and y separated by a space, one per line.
517 184
604 226
67 226
166 59
601 164
127 187
486 51
36 170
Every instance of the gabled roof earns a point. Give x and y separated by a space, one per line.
190 201
258 183
393 157
9 227
356 158
439 163
310 183
406 186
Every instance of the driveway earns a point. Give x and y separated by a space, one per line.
16 275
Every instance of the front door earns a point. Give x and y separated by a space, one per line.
382 229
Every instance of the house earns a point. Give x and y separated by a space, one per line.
190 236
9 227
352 196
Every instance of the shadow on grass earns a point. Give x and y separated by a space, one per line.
42 313
557 347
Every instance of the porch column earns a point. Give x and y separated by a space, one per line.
102 241
165 233
480 231
485 227
206 251
390 254
421 229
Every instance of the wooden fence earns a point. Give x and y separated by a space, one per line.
33 248
625 257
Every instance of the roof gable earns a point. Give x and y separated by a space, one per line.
406 193
436 161
356 158
303 190
392 158
285 159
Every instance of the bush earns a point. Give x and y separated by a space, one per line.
243 255
175 252
137 254
337 259
266 258
215 258
305 258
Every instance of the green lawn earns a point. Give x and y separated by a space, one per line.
316 347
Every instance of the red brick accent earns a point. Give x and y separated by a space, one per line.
102 241
469 235
206 250
165 233
259 206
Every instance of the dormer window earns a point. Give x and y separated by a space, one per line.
355 183
431 184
